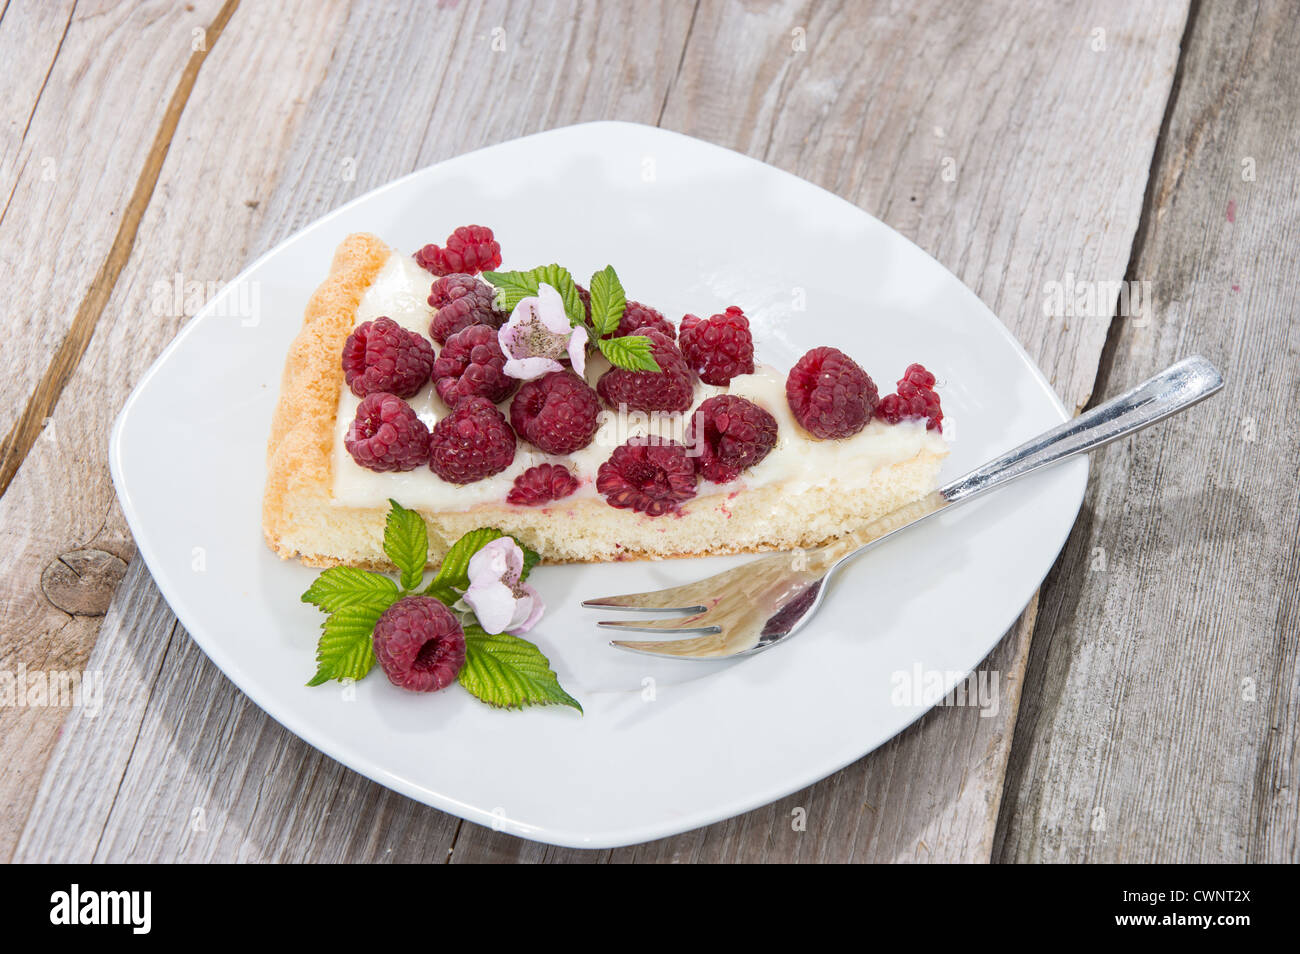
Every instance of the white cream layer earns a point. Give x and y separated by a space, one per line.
401 291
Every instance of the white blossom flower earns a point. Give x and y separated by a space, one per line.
538 334
500 601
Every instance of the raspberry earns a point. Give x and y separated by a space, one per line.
732 434
638 319
829 394
556 413
542 484
420 644
472 442
649 478
381 355
471 365
668 389
470 249
387 434
915 397
461 301
719 348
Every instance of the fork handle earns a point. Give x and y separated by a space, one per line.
1174 389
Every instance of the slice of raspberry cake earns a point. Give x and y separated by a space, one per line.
589 426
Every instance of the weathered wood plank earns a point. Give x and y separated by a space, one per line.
88 159
293 171
80 172
842 113
871 112
31 35
997 137
62 499
1163 687
86 789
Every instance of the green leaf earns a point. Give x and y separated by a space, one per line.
406 542
608 301
509 672
455 565
346 650
513 287
343 586
632 352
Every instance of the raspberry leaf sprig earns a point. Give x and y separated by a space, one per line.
608 302
502 670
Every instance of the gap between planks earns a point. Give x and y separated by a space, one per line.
1105 365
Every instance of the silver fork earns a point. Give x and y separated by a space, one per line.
753 607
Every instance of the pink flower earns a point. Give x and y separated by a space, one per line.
502 603
538 334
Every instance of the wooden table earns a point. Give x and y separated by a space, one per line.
1150 689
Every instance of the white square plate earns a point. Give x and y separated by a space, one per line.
668 745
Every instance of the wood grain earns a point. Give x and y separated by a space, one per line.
335 147
62 498
70 172
819 114
870 114
222 781
871 108
122 130
1163 690
1047 140
31 37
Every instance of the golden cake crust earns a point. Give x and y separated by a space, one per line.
298 454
